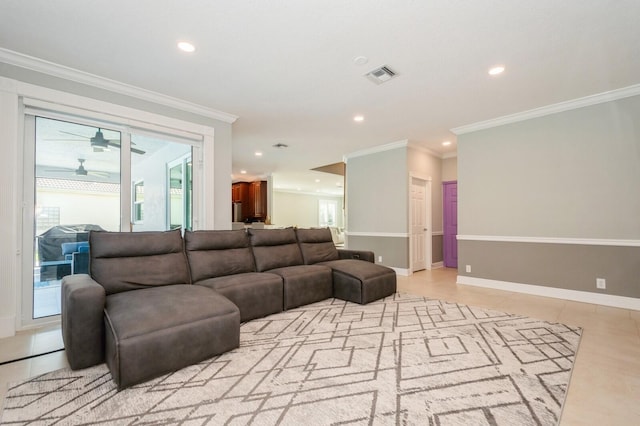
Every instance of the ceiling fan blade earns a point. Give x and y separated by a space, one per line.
74 134
135 150
63 170
65 140
100 174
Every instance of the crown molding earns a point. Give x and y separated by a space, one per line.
56 70
599 98
380 148
431 152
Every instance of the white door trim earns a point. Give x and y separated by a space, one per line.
428 219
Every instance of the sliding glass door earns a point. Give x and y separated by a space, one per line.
78 180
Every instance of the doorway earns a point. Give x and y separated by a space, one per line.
87 176
420 224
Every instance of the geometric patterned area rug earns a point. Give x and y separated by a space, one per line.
402 360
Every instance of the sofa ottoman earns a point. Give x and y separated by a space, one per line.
355 280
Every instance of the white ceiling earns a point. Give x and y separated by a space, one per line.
286 67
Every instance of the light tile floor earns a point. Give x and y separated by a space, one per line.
604 389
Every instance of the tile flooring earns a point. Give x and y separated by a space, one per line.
604 390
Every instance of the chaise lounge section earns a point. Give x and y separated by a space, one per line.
155 321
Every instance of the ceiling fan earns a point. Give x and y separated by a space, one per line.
100 144
81 170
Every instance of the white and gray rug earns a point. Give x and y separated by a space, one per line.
404 360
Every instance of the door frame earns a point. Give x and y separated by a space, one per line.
24 291
445 222
428 242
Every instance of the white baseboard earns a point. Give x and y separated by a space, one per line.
402 271
437 265
7 326
557 293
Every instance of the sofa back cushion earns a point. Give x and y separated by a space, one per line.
316 245
122 261
275 248
218 253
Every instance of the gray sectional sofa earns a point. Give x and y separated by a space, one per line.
155 302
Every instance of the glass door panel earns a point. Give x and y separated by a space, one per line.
77 189
160 184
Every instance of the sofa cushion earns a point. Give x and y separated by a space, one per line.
316 245
304 284
122 261
275 248
256 294
218 253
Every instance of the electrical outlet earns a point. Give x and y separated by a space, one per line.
379 259
468 268
601 283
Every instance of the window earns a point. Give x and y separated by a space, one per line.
138 202
327 213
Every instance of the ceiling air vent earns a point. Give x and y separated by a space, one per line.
381 75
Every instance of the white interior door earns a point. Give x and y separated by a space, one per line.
420 239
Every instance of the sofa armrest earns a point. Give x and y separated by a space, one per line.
357 254
83 302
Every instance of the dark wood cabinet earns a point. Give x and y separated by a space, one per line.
253 197
259 194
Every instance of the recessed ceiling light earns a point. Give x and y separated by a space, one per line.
185 46
317 180
360 60
258 154
358 118
498 69
244 172
446 143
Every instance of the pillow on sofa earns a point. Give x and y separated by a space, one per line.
218 253
317 245
122 261
274 248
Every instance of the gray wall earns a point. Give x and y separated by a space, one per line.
80 89
376 192
450 169
574 174
377 203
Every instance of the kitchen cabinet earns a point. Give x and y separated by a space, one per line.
259 194
253 197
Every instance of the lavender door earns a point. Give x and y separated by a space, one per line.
450 219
